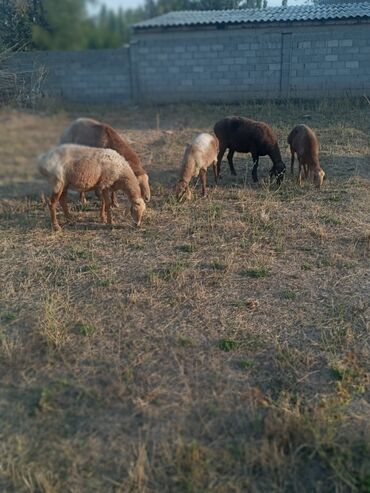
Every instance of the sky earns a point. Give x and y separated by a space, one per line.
114 4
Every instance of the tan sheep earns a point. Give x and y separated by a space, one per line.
90 132
304 143
198 156
85 168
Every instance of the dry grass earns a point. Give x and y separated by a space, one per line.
223 347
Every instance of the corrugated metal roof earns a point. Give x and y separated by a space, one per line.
247 16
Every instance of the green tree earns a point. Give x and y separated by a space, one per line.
67 28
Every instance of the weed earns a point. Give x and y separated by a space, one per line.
187 248
255 273
168 272
88 268
228 344
85 329
8 317
185 341
217 265
289 295
245 364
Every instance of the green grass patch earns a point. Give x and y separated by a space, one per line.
228 345
255 273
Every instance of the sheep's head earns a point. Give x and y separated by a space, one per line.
182 191
319 177
279 171
144 186
137 210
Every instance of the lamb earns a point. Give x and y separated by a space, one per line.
89 132
85 168
200 154
303 142
240 134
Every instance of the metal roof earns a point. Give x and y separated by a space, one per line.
248 16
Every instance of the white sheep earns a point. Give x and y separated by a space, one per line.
85 168
198 156
89 132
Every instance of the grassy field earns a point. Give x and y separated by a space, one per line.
223 347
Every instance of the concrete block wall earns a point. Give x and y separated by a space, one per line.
208 65
309 60
78 76
330 62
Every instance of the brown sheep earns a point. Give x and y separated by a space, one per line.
240 134
85 168
89 132
200 154
304 143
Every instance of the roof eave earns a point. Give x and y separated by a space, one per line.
225 25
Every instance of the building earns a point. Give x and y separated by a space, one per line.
233 55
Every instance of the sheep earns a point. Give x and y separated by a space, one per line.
87 168
198 155
303 142
89 132
240 134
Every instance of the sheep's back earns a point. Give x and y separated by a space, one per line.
245 135
303 140
84 131
83 167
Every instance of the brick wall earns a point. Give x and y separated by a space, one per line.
78 76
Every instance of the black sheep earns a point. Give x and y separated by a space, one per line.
240 134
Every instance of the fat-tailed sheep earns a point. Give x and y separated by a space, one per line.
198 156
85 168
304 143
240 134
90 132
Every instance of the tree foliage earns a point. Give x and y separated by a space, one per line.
16 20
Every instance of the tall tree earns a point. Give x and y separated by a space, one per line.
67 25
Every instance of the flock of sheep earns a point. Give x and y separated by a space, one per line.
93 156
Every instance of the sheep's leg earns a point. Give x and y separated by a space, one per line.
214 166
103 215
64 203
306 170
292 161
219 159
106 201
254 169
82 198
301 173
114 200
203 181
54 199
230 159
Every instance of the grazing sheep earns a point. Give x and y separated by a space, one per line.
89 132
85 168
240 134
303 142
200 154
